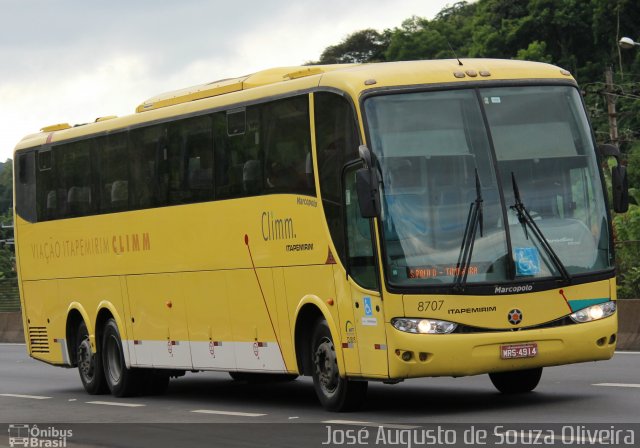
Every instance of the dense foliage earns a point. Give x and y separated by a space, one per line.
7 258
579 35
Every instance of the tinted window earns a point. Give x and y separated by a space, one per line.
238 153
288 166
148 167
47 193
73 171
250 151
337 143
190 161
113 183
26 186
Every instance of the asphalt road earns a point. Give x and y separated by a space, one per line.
209 409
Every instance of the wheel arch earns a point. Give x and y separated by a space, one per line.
309 311
76 314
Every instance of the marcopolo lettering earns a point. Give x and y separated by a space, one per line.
513 289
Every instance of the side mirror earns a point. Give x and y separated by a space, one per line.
367 191
367 185
620 187
619 181
607 150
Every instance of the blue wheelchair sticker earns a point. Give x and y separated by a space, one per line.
527 260
368 311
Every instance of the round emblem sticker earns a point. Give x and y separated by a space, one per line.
515 317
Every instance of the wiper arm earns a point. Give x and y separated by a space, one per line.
527 221
475 220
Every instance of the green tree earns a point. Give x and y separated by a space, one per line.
362 46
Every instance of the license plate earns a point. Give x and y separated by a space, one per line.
518 351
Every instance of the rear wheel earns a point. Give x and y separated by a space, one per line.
334 392
122 382
516 382
89 364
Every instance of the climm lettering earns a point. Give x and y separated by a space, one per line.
274 228
134 242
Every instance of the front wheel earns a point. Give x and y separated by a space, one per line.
89 364
122 382
517 381
335 393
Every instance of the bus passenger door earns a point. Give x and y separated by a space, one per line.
365 296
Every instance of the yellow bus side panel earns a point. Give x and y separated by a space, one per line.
209 320
45 320
160 334
254 320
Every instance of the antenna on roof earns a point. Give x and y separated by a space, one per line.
454 52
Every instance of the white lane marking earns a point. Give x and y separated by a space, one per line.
369 424
33 397
621 352
237 414
616 385
12 343
114 403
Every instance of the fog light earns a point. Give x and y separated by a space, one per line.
406 356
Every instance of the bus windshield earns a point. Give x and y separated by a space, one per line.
534 140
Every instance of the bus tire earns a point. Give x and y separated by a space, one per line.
122 382
336 393
89 364
517 381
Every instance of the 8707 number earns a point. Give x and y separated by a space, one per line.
430 305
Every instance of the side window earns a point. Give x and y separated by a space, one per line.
190 160
113 182
25 170
238 153
51 200
288 161
148 167
74 195
362 266
337 143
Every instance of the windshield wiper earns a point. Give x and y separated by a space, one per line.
475 220
527 221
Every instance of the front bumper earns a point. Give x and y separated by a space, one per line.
477 353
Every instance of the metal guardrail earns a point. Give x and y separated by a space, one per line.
9 295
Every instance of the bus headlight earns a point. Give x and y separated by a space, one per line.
423 326
594 312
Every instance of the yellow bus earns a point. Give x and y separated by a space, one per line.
352 223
